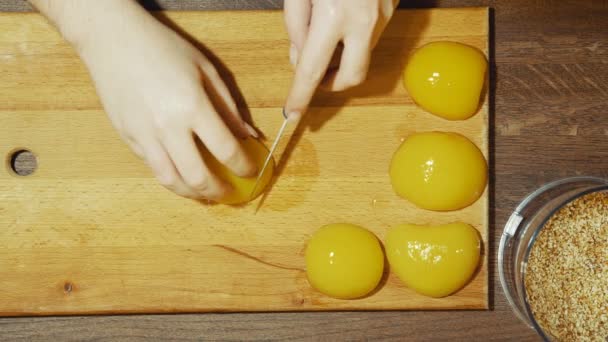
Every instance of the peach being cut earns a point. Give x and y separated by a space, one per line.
242 187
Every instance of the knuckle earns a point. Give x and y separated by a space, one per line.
230 153
214 194
185 193
339 87
168 180
180 189
355 79
198 182
311 74
163 172
176 117
350 81
368 18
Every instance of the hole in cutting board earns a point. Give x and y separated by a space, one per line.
22 162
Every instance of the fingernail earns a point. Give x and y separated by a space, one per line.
293 55
251 130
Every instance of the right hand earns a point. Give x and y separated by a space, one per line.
315 29
150 81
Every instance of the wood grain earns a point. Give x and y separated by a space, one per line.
549 34
90 231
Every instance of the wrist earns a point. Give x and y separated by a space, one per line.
86 22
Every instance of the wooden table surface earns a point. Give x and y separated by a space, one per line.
550 121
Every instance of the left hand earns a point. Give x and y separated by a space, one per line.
315 28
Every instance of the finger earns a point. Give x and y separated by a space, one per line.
332 69
192 169
354 64
158 160
252 131
297 19
133 144
316 55
218 139
190 165
217 89
137 150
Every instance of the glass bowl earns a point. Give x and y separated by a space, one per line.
520 233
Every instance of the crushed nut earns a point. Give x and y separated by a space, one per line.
567 272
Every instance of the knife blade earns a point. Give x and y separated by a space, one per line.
271 152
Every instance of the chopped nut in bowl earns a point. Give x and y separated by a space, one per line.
553 260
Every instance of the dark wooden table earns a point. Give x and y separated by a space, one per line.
550 120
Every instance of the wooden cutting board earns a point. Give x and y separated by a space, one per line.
90 231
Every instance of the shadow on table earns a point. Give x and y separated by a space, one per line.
418 4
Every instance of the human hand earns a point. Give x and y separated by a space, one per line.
315 28
152 84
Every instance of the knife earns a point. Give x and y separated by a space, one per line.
286 121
